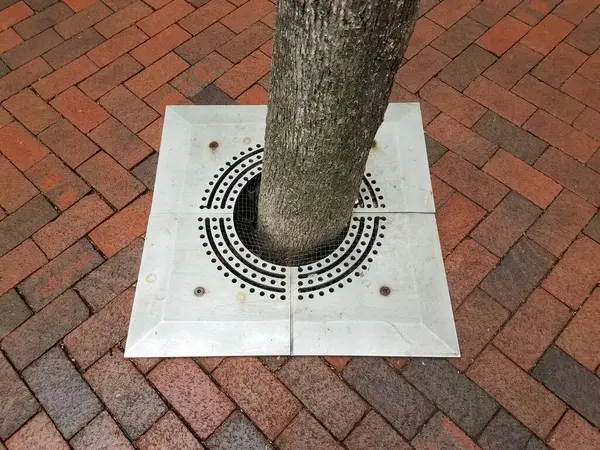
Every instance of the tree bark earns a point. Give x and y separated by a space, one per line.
334 63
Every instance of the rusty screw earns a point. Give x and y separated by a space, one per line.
384 290
199 291
213 145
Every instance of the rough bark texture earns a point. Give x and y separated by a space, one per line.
334 64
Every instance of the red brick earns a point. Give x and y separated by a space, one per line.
532 329
533 11
165 16
559 65
43 20
152 133
572 175
576 274
461 140
456 219
19 263
78 5
581 338
306 433
120 143
65 77
452 102
562 222
160 45
39 432
249 13
13 312
583 89
448 12
536 407
440 433
71 225
470 181
466 67
575 10
499 100
20 147
503 35
73 48
32 48
123 18
246 42
116 5
110 76
101 433
399 94
206 15
270 19
123 228
209 363
267 47
116 46
256 95
82 20
513 64
9 39
18 79
337 362
523 178
561 135
424 33
589 122
574 432
164 96
14 14
156 75
31 111
591 68
244 74
130 110
462 34
157 4
15 190
441 191
94 337
204 43
506 224
488 12
337 406
266 401
192 394
374 432
59 274
79 109
57 182
168 432
68 143
43 330
547 34
420 69
466 266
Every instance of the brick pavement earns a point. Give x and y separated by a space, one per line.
510 95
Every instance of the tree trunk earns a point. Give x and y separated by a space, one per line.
334 63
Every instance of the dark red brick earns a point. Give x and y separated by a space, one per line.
513 64
306 433
14 14
123 18
164 96
470 181
586 37
559 65
73 48
42 331
65 77
572 175
574 432
201 74
591 68
37 430
116 46
466 266
32 48
324 394
460 139
237 432
100 332
43 20
127 108
169 432
452 102
398 401
506 224
583 89
116 5
419 70
533 11
477 320
13 312
39 5
79 109
20 147
246 42
435 151
466 67
110 76
146 170
63 393
374 432
82 20
204 43
206 15
192 394
15 189
593 228
17 404
488 12
19 263
209 363
504 431
456 219
70 144
447 13
266 401
526 399
441 433
165 16
120 143
156 75
31 111
22 77
249 13
503 35
101 433
462 34
424 33
125 392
